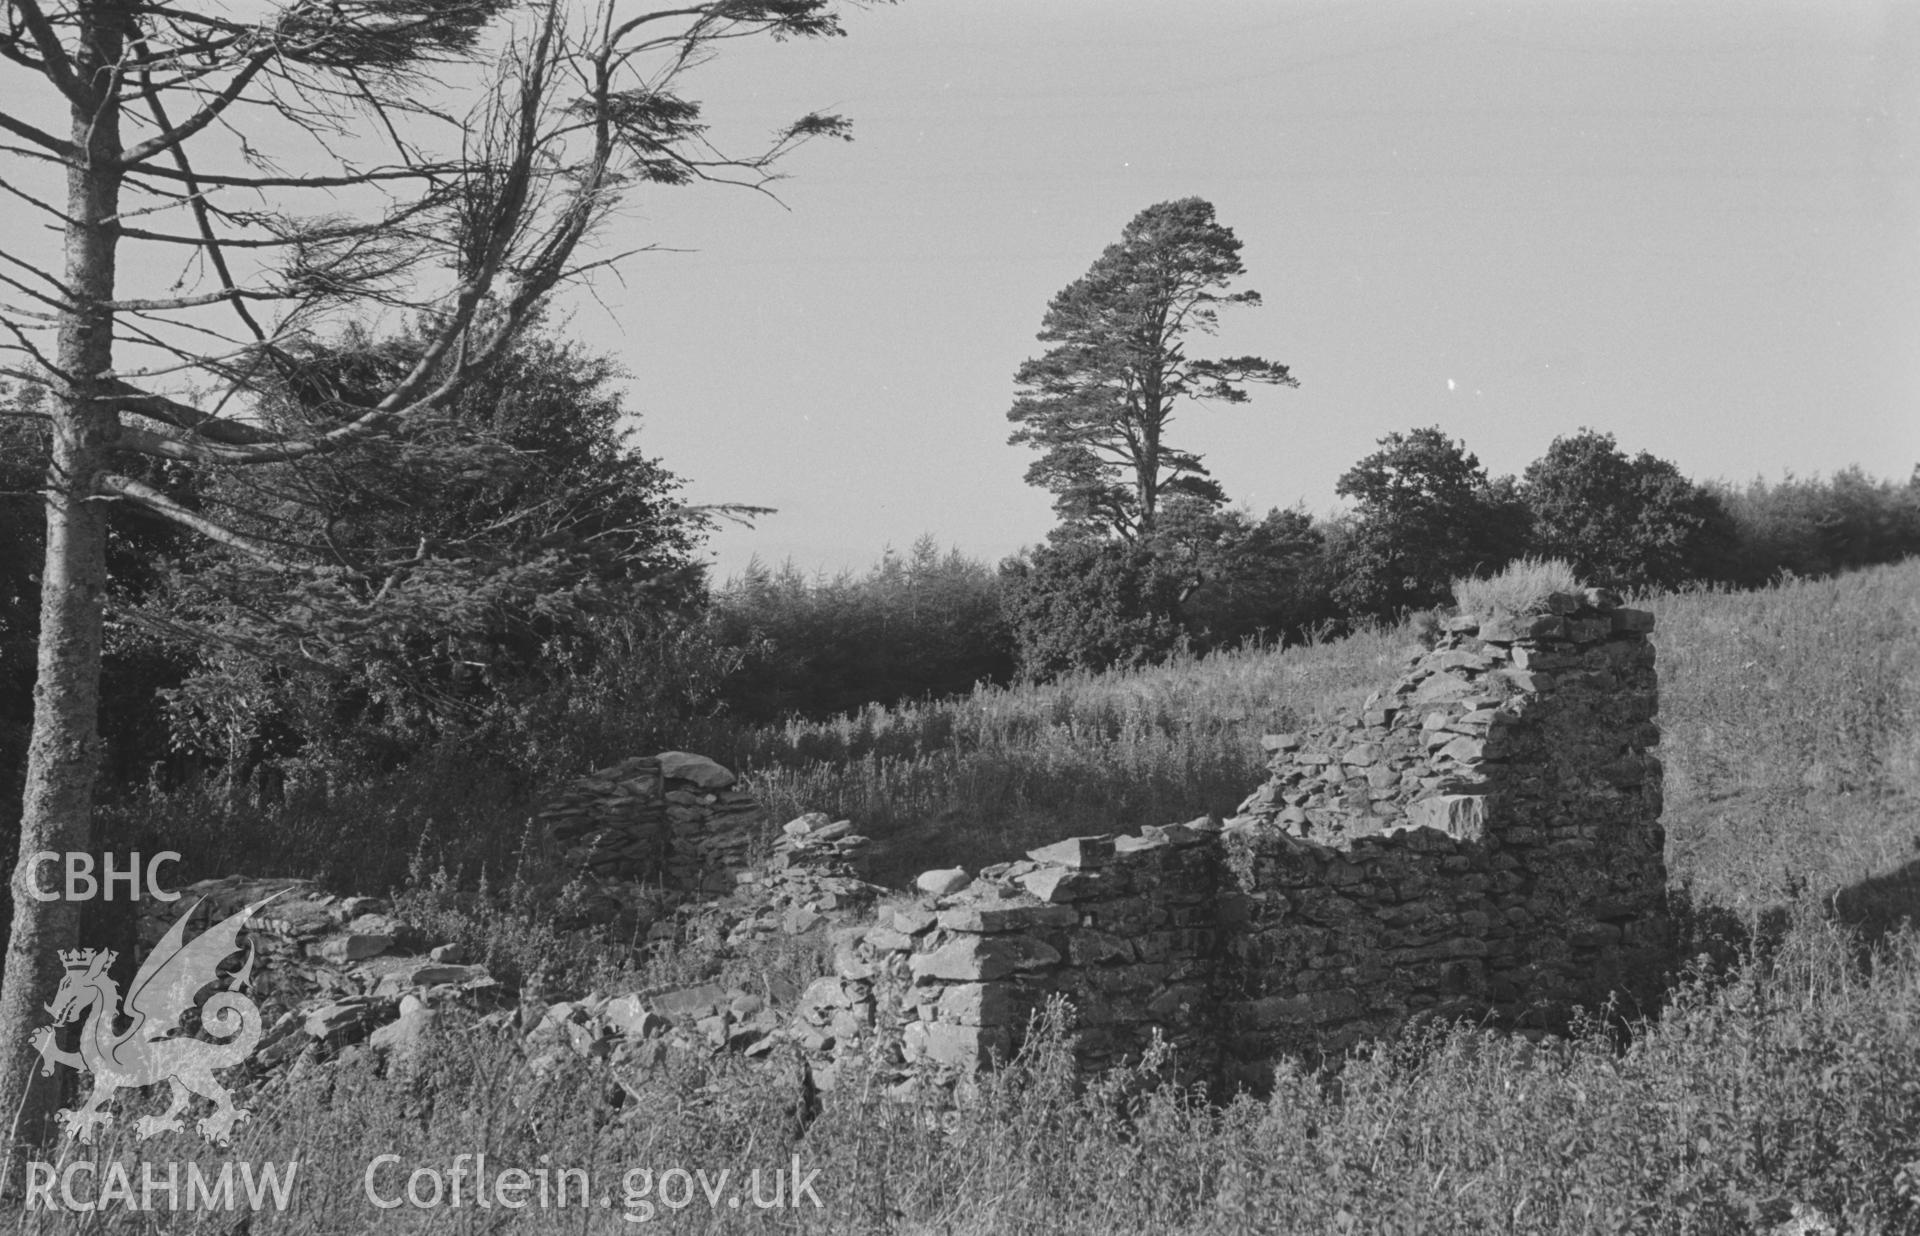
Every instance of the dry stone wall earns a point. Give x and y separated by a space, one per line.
654 832
1480 841
672 819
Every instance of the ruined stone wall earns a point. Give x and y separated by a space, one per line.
1481 841
672 820
654 832
1127 928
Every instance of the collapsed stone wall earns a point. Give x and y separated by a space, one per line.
652 832
1481 841
326 970
652 839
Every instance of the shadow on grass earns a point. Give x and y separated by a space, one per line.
1881 905
1874 910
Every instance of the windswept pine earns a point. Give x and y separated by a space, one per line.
446 160
1097 404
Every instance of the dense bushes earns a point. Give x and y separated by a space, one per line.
1088 603
1624 523
924 624
455 566
1204 579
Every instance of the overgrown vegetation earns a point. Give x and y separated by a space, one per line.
1520 590
1782 1078
589 593
923 623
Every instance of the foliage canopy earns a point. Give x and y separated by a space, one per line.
1426 514
511 519
1622 522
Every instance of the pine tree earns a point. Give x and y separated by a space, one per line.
1097 405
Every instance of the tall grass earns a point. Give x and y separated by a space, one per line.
983 777
1518 590
1791 719
1792 1087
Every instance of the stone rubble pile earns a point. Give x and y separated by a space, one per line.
327 970
813 876
639 1030
335 974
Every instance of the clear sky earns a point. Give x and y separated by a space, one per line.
1696 226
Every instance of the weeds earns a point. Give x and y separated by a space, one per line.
1519 591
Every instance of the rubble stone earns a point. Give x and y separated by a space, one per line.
941 883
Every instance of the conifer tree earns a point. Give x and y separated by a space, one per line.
1099 402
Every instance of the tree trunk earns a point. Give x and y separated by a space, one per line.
1146 483
63 756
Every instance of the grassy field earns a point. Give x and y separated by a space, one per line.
962 782
1783 1079
1791 720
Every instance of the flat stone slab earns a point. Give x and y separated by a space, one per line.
977 959
988 917
1076 852
689 1002
697 769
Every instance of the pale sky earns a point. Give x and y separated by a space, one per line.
1696 226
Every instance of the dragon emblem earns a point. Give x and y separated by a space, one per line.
152 1049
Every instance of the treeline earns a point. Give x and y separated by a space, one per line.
923 623
1424 513
554 611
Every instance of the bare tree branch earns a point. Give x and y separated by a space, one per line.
166 141
39 137
54 62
